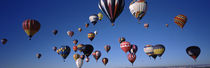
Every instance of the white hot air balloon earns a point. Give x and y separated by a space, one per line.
95 32
79 63
93 19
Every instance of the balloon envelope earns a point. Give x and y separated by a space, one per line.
76 56
70 33
159 49
31 27
125 46
4 41
91 36
180 20
105 61
193 51
79 63
96 55
38 55
88 49
55 32
138 8
64 51
93 19
131 58
107 48
133 49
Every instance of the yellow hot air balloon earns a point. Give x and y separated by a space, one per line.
100 16
76 56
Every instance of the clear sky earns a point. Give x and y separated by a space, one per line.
65 15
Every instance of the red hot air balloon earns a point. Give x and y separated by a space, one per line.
107 48
70 33
105 61
75 48
125 46
131 58
31 27
96 55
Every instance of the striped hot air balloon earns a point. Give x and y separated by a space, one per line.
31 27
159 49
91 36
125 46
138 8
148 49
180 20
112 8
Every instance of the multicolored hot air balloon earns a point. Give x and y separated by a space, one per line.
54 48
38 55
180 20
131 58
82 57
121 39
112 8
86 25
79 29
31 27
105 61
96 55
125 46
107 48
100 16
146 26
55 32
159 49
138 8
70 33
88 49
79 63
75 48
193 51
64 51
4 41
76 56
133 49
80 47
148 49
93 18
91 36
75 41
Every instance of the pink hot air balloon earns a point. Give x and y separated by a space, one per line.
131 58
125 46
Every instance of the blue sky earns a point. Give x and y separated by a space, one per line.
66 15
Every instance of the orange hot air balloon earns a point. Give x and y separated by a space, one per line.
80 29
105 61
146 26
125 46
82 57
70 33
91 36
31 27
76 56
86 25
75 41
131 58
75 48
180 20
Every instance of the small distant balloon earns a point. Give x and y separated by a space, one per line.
54 48
31 27
125 46
79 29
55 32
75 48
107 48
105 61
146 26
75 41
100 16
86 25
4 41
70 33
38 55
121 39
91 36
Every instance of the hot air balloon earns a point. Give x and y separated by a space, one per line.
100 16
86 25
193 51
112 8
75 41
4 41
80 47
75 48
79 63
76 56
31 27
54 48
64 51
55 32
138 8
148 49
93 18
96 55
79 29
87 59
88 49
158 50
180 20
133 49
125 46
105 61
107 48
38 55
95 32
91 36
82 57
146 26
70 33
122 39
166 25
131 58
